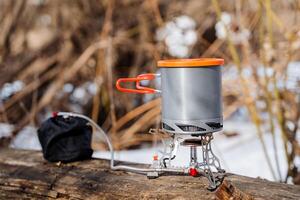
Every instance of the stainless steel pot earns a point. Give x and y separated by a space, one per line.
191 94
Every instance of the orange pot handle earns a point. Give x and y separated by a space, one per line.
140 89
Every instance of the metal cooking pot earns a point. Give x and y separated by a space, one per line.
191 94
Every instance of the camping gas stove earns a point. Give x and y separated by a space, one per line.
191 113
207 164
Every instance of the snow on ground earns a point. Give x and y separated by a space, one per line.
244 154
5 130
26 139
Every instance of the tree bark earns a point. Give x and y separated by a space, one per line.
25 174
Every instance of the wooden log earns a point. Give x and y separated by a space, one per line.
228 191
25 174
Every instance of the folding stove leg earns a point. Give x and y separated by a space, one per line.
210 160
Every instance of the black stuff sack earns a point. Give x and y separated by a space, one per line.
65 139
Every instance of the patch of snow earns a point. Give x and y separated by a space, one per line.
180 51
293 76
6 129
92 88
174 38
185 22
226 18
220 26
9 89
17 85
79 93
82 94
244 155
68 88
225 28
190 37
27 138
179 36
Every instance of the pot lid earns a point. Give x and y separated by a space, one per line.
195 62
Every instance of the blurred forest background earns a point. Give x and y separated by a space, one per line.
66 56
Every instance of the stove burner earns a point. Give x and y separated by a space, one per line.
193 142
190 128
209 166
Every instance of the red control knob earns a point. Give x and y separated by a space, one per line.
193 172
54 114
